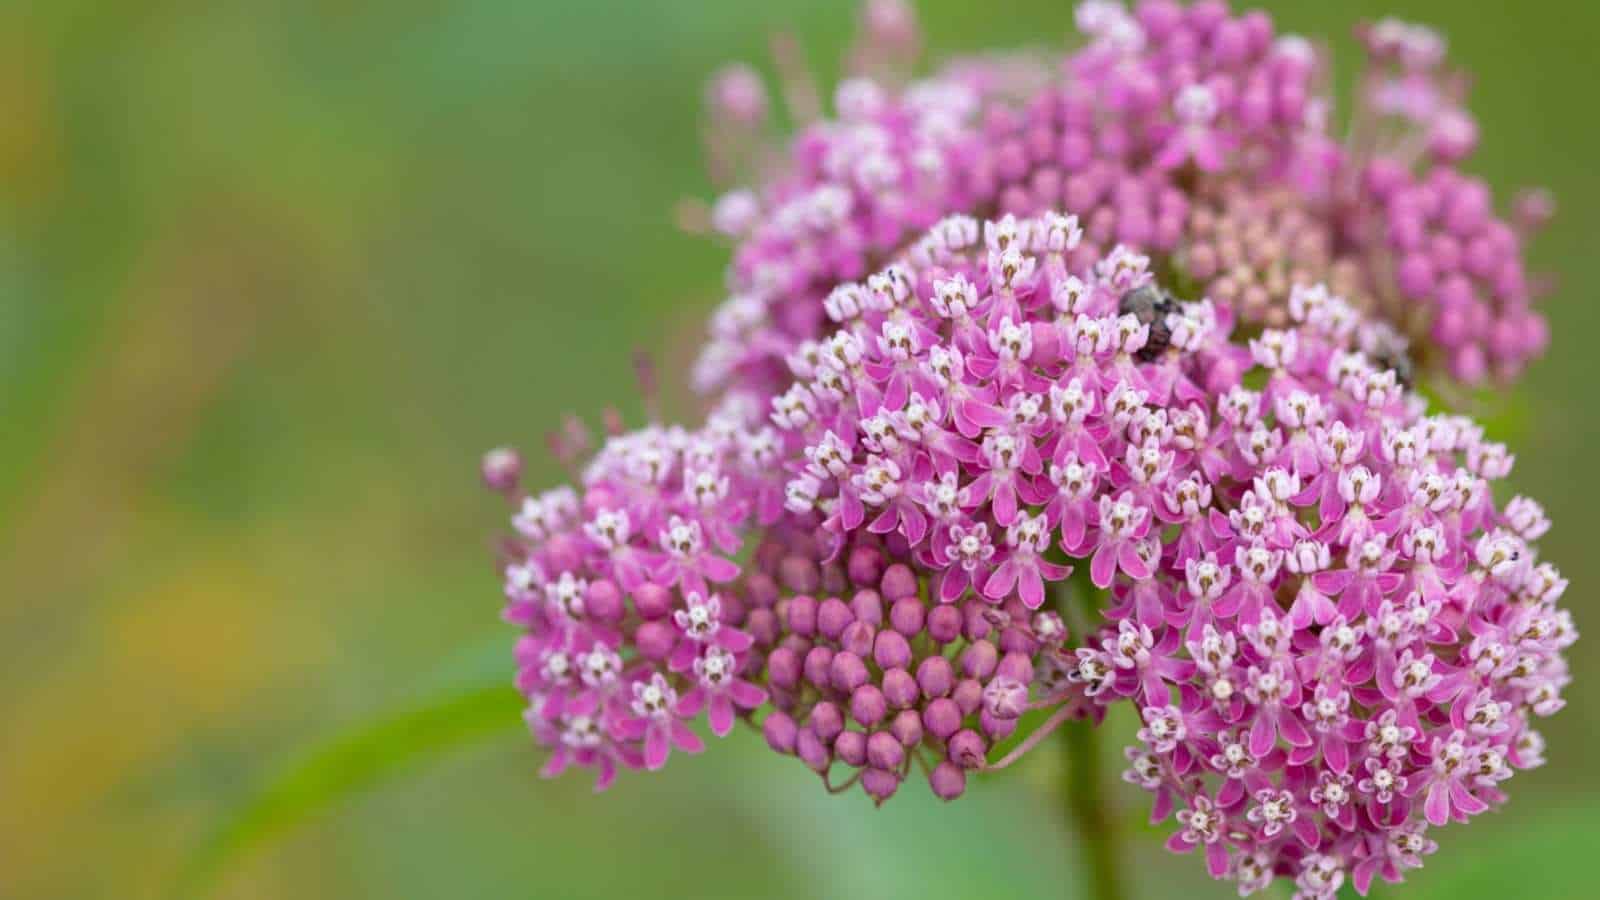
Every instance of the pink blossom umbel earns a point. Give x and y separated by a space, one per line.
1332 634
1199 137
940 408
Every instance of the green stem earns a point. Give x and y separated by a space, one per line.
1098 839
1087 806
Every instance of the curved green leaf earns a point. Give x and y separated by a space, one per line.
360 759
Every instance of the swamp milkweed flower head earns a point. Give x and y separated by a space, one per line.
1201 138
1333 635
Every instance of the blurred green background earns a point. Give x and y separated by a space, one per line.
273 274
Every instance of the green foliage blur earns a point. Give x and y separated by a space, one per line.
273 274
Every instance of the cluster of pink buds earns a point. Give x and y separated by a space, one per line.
1190 134
870 679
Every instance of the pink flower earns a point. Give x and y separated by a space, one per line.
655 721
1203 825
1122 525
687 561
1023 567
1194 136
720 690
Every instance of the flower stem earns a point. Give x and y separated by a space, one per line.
1098 840
1082 781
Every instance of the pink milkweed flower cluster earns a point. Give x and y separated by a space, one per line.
941 408
1197 136
637 622
1333 636
630 630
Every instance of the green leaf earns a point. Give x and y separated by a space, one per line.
362 758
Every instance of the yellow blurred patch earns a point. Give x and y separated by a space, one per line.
167 668
30 160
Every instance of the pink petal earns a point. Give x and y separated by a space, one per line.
1331 508
1437 807
1300 616
1306 831
1322 609
556 764
1073 526
656 749
1089 451
850 510
986 414
691 703
1293 731
1347 817
1216 859
1155 690
630 576
1362 876
1132 563
1005 502
747 695
1031 587
894 396
685 739
608 774
1336 752
1262 735
913 524
520 613
528 678
1228 604
1333 581
721 715
978 490
868 398
1162 807
964 424
1464 801
683 656
1103 567
1052 571
630 729
1001 581
953 584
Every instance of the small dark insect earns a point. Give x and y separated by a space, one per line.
1396 359
1151 306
